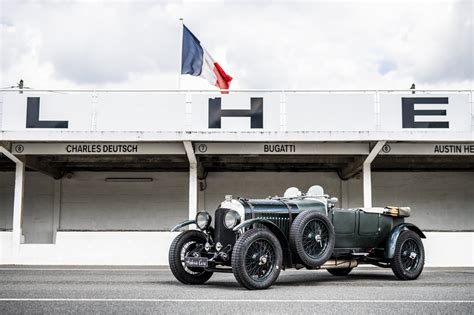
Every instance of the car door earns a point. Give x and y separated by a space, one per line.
345 223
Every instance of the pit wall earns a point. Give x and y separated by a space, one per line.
100 222
151 248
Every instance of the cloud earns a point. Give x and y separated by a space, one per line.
451 57
318 45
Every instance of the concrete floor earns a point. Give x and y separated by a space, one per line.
112 290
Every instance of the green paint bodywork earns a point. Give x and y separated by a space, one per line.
275 229
183 224
355 229
357 232
395 233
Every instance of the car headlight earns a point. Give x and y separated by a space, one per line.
203 220
231 219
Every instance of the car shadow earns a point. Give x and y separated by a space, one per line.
314 279
294 279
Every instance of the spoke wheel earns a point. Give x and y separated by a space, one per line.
409 258
260 260
410 253
315 238
257 259
188 243
312 238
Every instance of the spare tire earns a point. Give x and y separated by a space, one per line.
312 238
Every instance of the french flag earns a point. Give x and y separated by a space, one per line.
196 61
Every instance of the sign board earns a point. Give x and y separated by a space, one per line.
284 148
425 112
252 112
97 148
428 149
327 112
238 148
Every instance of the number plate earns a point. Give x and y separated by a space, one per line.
200 262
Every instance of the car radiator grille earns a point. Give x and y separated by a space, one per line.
282 222
223 234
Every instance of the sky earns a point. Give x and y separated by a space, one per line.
261 44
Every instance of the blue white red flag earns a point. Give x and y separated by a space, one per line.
196 61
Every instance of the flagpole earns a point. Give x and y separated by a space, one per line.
180 52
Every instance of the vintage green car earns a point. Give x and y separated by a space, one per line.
256 238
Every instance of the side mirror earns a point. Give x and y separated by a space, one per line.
333 200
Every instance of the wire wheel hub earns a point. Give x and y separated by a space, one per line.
410 255
260 258
315 238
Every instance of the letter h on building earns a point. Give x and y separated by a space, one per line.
255 112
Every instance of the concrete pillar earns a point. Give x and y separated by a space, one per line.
17 198
193 181
193 192
366 173
367 182
18 202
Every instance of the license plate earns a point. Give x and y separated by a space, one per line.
199 262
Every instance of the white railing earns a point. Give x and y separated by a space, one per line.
329 91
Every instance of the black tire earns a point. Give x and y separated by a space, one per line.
409 258
256 259
180 246
340 272
312 238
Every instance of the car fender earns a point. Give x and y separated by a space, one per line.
276 231
395 233
182 224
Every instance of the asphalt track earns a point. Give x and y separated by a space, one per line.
152 290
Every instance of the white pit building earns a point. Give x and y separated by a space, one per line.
100 177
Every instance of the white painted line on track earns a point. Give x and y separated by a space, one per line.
228 301
81 269
167 269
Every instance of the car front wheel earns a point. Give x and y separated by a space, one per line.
409 258
257 259
186 244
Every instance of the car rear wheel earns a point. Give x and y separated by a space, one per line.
409 258
257 259
312 238
340 272
184 245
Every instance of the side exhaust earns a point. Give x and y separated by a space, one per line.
335 264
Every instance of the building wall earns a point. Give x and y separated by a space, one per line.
37 206
151 248
7 180
88 202
440 201
38 209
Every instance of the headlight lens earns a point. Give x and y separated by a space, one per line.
231 219
203 220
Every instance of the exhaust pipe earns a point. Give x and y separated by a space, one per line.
336 264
